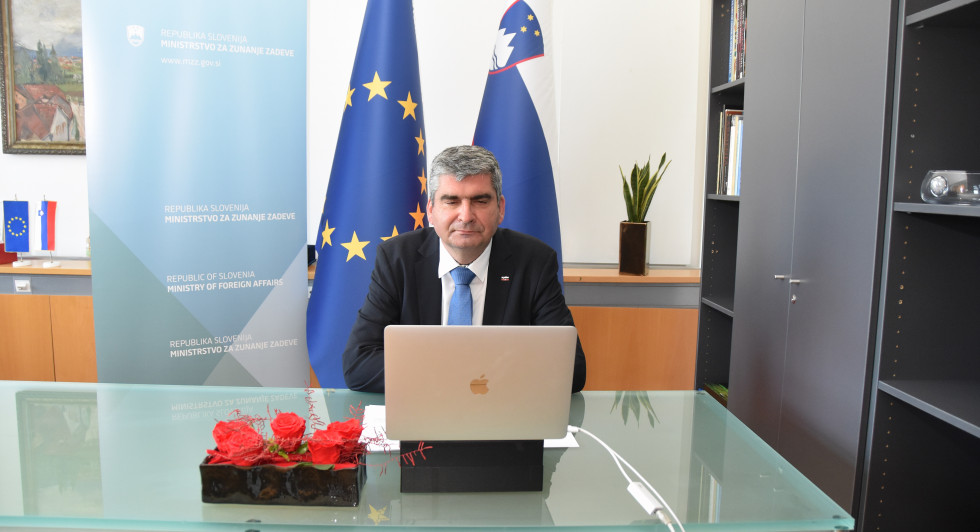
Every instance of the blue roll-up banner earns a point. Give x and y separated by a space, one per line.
196 153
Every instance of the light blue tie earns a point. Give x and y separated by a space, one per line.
461 304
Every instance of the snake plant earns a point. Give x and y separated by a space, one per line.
639 189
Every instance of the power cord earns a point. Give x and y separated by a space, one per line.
642 491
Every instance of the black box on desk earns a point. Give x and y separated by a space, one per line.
471 466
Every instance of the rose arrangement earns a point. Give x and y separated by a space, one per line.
239 442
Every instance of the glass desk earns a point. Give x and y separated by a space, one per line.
125 457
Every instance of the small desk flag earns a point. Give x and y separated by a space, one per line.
517 121
377 184
16 226
46 214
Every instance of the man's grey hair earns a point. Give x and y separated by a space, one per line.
463 161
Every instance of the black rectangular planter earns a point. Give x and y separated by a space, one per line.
300 485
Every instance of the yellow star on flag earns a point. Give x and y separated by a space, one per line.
421 142
422 179
377 87
327 231
350 92
377 515
418 215
537 33
355 247
530 17
409 106
523 29
394 233
20 230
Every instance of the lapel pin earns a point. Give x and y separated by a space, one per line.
504 278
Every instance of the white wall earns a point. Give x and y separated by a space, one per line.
631 77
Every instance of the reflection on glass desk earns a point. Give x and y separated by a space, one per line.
125 457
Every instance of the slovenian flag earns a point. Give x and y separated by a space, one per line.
16 227
518 123
46 214
377 183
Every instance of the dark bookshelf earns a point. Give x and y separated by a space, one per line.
715 337
932 208
721 210
722 197
722 305
955 402
734 89
925 479
924 449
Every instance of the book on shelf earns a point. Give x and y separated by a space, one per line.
729 153
737 188
718 391
736 40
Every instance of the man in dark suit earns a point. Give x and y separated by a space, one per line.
514 276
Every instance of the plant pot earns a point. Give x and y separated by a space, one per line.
633 248
299 485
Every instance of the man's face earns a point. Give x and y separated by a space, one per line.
465 214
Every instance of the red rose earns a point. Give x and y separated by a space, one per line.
238 443
324 447
349 431
337 444
346 430
225 431
288 429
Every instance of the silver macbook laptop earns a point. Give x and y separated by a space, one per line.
478 383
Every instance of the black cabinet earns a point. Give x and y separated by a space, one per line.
924 453
809 232
767 218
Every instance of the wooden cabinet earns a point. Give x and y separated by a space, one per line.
47 338
638 348
73 338
26 352
47 334
638 332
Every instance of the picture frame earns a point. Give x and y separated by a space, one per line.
60 462
42 102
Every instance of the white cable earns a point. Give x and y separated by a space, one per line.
654 491
634 488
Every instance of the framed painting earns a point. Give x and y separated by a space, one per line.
43 104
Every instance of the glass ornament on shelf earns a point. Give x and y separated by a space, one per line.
951 187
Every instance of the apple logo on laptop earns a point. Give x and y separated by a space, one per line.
479 386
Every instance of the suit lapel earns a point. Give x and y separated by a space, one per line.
498 280
429 286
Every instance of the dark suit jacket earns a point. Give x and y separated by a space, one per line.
405 290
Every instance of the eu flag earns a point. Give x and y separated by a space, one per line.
516 119
377 183
16 227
